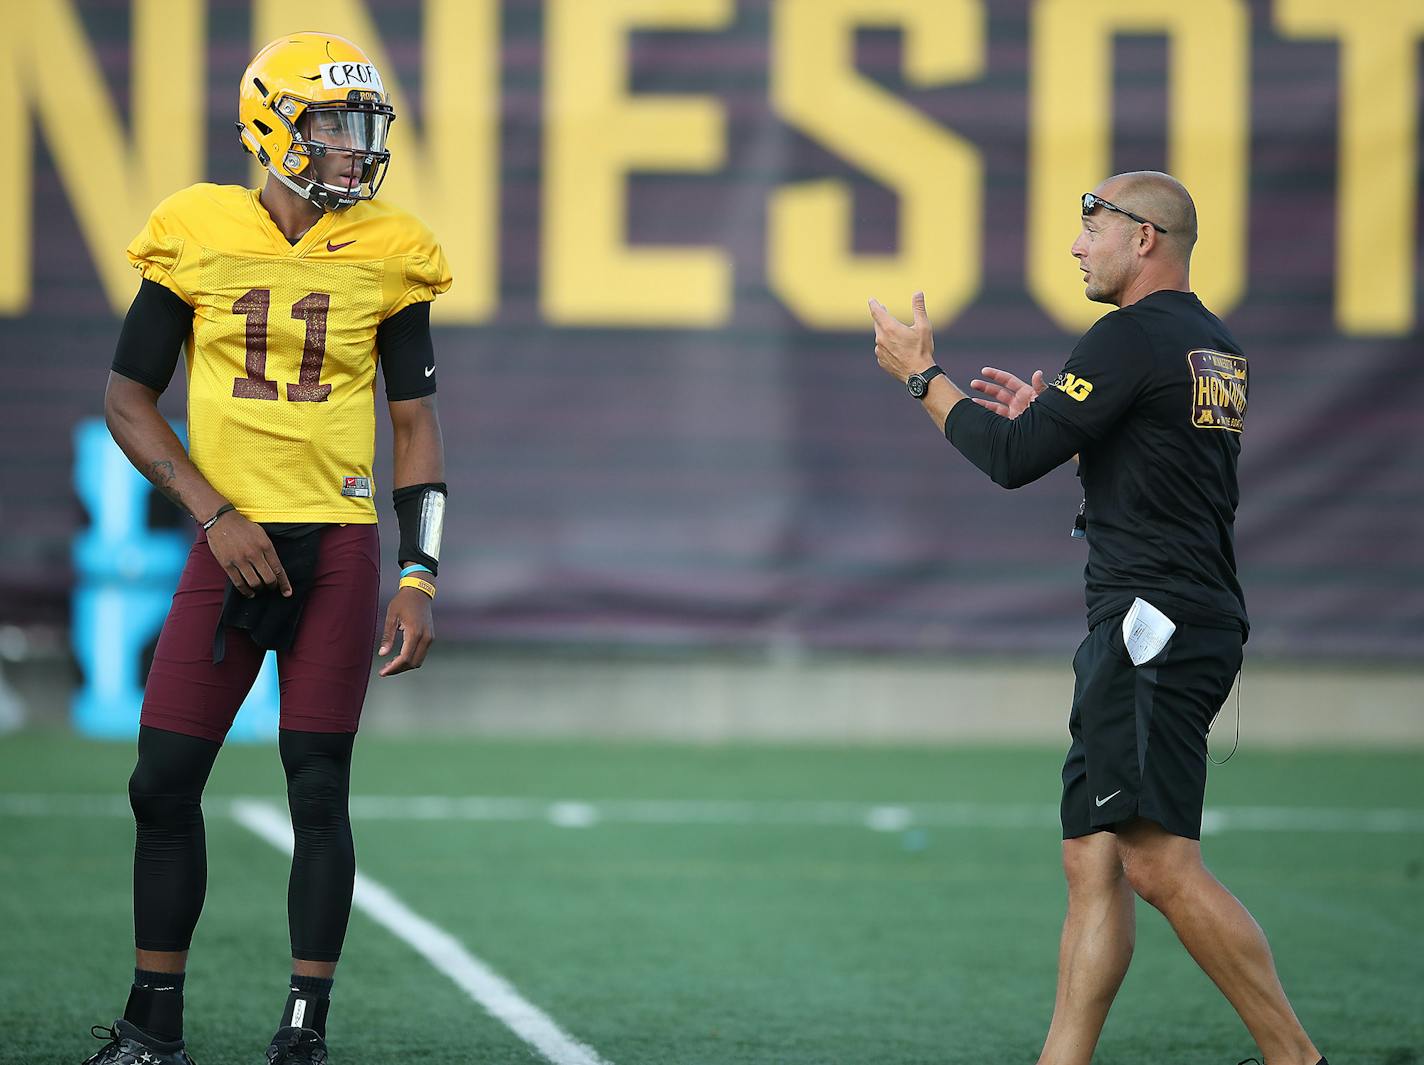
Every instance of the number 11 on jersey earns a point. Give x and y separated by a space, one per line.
312 309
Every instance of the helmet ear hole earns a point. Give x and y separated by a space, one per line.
266 129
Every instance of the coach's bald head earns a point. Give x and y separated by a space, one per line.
1161 198
1123 259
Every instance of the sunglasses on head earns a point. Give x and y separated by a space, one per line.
1090 201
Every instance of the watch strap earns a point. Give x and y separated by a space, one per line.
918 383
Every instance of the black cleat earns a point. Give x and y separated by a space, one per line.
296 1046
128 1045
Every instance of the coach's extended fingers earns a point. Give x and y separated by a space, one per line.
880 316
917 306
1003 378
997 393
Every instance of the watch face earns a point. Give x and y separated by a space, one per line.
917 385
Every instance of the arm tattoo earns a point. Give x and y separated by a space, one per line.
162 476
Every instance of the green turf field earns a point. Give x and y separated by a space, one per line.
717 906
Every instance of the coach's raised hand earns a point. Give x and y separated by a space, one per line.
900 349
245 552
1006 394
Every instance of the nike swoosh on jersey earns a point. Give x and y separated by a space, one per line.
429 370
337 247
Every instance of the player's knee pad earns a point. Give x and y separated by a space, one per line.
166 787
318 768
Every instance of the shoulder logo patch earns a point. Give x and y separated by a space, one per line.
1073 386
1218 390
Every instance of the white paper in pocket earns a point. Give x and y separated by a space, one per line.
1145 631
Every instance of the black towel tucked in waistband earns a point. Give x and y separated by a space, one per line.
269 617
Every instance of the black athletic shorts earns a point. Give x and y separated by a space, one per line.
1139 732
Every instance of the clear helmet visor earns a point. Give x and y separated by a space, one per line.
345 149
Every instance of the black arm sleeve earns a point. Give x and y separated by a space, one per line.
1098 386
1013 452
407 353
154 330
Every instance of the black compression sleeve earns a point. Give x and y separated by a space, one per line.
170 854
318 768
154 330
1013 452
407 353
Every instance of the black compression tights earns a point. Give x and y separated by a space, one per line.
170 858
318 767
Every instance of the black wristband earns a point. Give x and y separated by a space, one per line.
409 503
220 512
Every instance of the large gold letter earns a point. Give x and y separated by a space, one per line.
46 65
1070 135
1379 156
593 135
936 174
449 176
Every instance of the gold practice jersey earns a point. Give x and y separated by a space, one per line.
282 358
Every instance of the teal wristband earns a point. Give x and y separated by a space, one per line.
415 568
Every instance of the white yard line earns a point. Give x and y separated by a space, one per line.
880 817
442 950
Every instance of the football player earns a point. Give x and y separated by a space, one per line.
285 300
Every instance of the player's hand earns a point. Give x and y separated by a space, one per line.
1006 394
245 552
411 615
900 349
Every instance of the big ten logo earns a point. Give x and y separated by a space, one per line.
126 564
1073 386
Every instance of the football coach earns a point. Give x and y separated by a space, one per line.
1152 400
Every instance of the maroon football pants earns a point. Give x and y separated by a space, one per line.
323 674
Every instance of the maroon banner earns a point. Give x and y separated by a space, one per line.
662 415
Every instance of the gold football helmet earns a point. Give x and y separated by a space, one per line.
314 111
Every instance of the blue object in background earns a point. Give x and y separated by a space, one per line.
125 574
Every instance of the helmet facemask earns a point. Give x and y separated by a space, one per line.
338 153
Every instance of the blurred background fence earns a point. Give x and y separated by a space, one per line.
683 500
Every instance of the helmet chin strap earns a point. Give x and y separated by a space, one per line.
324 198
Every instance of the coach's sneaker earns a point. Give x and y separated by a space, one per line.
128 1045
296 1046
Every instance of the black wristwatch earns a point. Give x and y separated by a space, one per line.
919 383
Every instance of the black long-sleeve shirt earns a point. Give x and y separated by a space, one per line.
1153 400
